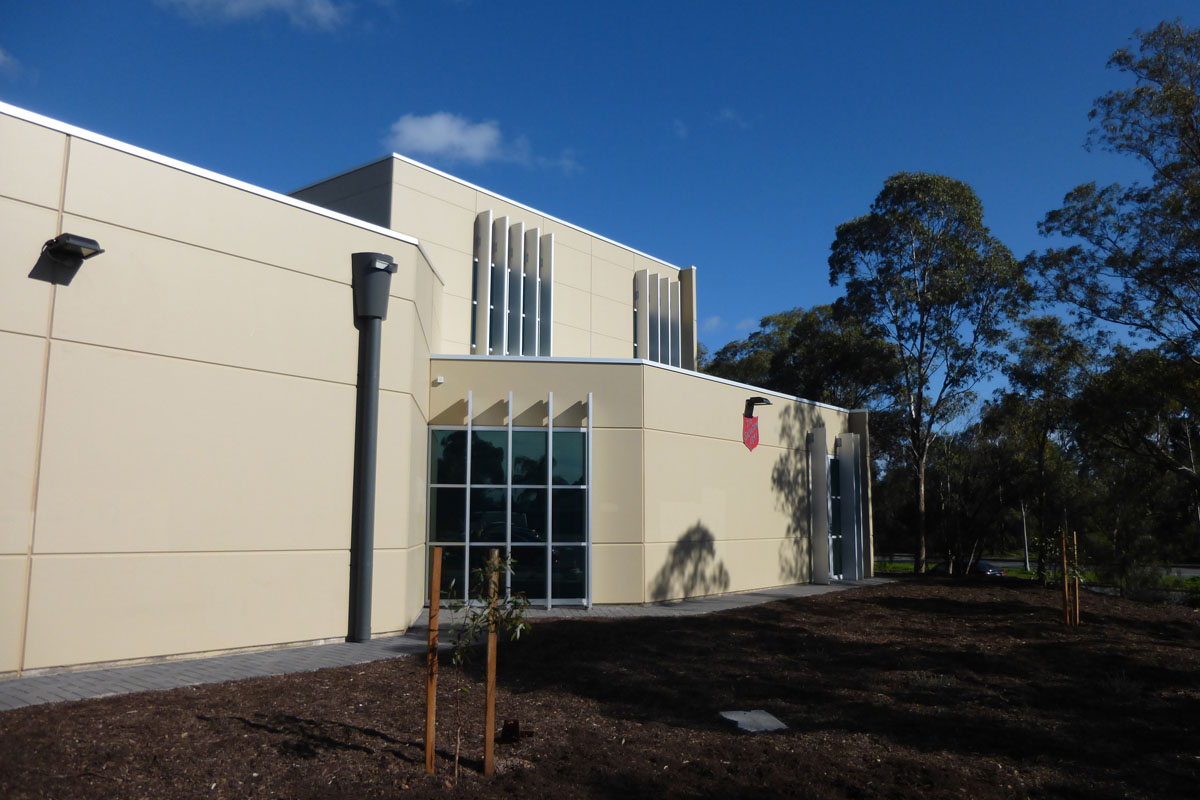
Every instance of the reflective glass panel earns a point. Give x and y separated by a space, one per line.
569 458
570 515
488 515
528 515
452 571
529 572
489 457
529 458
446 509
568 567
448 457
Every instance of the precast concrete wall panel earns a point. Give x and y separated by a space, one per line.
176 453
32 169
88 608
24 228
23 360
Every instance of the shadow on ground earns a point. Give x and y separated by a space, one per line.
989 675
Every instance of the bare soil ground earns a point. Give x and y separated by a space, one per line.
921 688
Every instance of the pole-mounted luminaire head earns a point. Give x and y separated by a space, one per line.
372 280
752 402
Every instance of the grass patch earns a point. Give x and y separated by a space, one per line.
893 567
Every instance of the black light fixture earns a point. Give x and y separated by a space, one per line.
752 402
61 258
71 250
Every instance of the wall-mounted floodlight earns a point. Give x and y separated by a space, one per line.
61 258
752 402
71 250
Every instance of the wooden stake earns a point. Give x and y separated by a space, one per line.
1066 584
489 720
431 658
1075 541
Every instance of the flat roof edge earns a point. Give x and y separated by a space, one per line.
200 172
633 362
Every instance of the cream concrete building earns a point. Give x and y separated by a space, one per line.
178 439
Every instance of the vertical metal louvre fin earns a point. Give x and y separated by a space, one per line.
652 301
499 310
664 319
851 508
483 282
641 314
687 317
516 288
546 298
529 293
673 331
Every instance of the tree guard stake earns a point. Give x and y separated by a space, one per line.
1075 540
489 721
431 658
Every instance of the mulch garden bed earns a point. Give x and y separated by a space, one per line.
920 688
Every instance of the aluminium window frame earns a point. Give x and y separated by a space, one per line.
509 487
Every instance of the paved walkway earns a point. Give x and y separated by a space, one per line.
80 684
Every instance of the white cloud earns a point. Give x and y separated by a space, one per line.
311 13
446 135
746 325
443 135
8 65
711 324
680 128
733 117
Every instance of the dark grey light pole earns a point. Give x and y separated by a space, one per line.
371 281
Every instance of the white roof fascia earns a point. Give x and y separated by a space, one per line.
200 172
633 362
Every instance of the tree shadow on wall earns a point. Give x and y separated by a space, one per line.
790 480
692 568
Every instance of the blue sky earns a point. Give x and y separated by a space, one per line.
730 136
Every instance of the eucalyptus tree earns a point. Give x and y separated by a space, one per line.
922 272
1136 259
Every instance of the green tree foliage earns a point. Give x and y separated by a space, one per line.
924 274
1138 460
811 353
1050 364
1138 261
1137 409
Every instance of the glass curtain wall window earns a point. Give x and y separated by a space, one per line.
521 490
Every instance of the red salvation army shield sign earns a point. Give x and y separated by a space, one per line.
750 432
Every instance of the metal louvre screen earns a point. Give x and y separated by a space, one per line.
512 289
658 320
